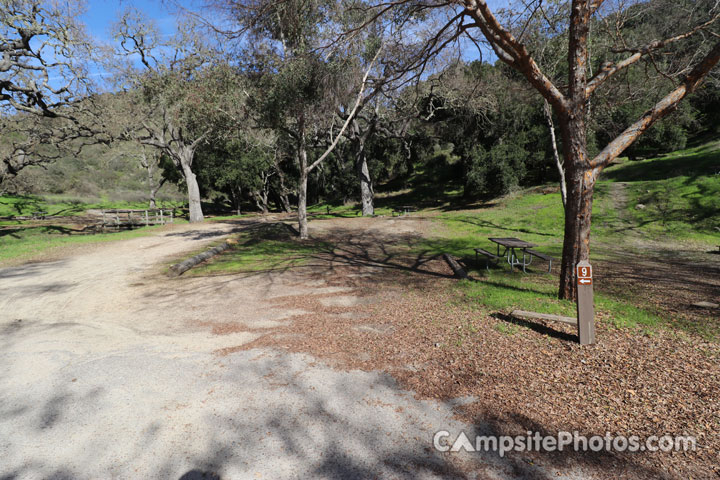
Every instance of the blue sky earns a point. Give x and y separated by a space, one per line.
101 14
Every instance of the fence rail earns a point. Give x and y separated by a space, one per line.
136 218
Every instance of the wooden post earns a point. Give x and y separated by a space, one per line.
171 216
147 218
585 306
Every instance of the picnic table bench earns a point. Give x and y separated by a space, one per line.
404 210
542 256
489 257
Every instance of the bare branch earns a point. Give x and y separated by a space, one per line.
638 53
660 110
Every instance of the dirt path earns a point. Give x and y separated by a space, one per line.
110 370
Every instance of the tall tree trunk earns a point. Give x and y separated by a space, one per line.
261 201
281 198
196 214
580 181
366 188
237 199
154 191
302 204
282 192
576 242
149 167
302 189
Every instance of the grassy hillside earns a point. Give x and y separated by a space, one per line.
675 196
97 173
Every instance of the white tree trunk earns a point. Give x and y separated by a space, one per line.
558 161
196 214
366 188
302 195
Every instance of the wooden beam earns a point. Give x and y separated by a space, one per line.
544 316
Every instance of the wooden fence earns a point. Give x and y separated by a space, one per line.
136 218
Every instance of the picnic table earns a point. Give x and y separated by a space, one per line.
511 247
404 210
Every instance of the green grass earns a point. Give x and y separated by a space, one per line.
678 194
270 247
27 243
27 240
534 217
504 291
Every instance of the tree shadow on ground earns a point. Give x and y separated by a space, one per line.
16 232
511 423
234 226
342 248
476 222
536 327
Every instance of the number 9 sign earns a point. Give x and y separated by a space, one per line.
584 274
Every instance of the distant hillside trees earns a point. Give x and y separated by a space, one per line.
179 93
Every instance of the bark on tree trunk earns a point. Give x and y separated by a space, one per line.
580 181
302 190
261 200
150 169
283 201
302 204
154 191
236 198
282 192
196 214
366 188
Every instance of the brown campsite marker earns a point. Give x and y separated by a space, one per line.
585 306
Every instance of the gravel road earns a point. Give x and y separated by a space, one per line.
108 373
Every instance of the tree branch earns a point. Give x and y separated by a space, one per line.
514 53
638 53
361 100
661 109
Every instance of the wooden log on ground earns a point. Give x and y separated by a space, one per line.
543 316
456 268
180 268
706 305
